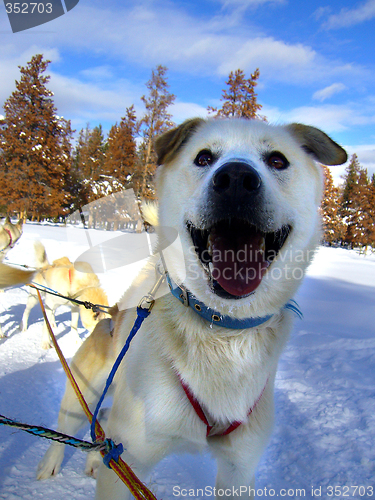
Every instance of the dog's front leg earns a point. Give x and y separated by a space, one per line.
74 323
32 301
238 453
234 480
50 312
90 367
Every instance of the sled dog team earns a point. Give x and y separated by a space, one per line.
243 197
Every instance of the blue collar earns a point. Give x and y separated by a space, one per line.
214 317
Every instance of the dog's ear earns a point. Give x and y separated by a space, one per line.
317 143
168 144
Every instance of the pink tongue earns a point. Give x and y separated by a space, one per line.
238 263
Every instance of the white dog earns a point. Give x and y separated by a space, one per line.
243 197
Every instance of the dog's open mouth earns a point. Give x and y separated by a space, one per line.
236 254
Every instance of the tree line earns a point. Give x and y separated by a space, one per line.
45 174
348 211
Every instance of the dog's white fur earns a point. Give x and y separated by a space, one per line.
225 369
64 277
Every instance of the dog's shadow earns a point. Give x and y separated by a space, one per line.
18 390
11 324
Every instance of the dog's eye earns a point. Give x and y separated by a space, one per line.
277 160
204 158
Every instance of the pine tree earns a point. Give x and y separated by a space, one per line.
88 163
333 226
35 148
363 219
94 150
349 203
155 121
371 201
121 153
351 180
358 206
240 100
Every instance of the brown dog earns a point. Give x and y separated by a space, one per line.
64 277
12 276
9 235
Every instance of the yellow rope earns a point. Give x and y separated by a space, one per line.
125 473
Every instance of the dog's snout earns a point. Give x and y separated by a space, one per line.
236 179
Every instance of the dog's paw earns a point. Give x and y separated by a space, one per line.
51 462
46 345
94 459
23 327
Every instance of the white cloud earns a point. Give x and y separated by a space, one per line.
321 12
366 155
183 110
277 59
88 101
328 117
145 35
350 17
331 118
98 73
250 3
327 92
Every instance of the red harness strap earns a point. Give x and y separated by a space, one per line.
10 237
199 411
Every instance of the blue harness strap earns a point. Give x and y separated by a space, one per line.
141 316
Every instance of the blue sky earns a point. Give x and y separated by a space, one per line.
316 60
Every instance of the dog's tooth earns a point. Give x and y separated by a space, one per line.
262 245
209 245
211 267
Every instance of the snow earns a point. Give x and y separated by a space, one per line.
325 407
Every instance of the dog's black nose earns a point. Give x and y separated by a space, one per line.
236 179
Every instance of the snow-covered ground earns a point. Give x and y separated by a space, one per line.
325 392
